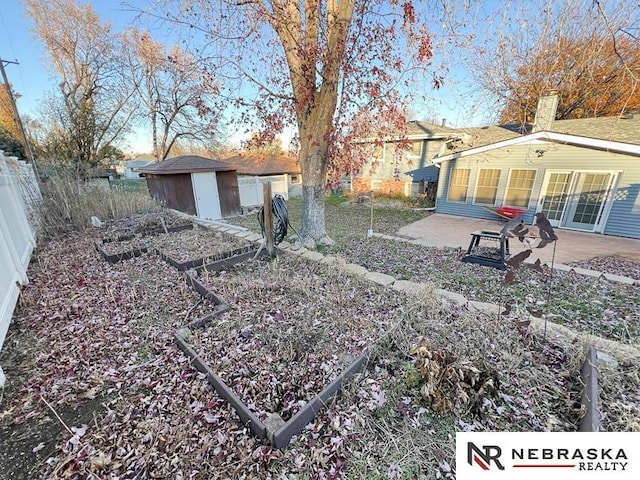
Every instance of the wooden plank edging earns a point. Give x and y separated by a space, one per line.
248 418
200 262
118 257
201 289
296 424
591 421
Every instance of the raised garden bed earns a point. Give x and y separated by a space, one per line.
123 251
198 247
144 224
295 331
124 247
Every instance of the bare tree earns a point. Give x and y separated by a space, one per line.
177 93
95 107
311 64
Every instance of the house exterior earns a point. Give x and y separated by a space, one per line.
126 169
392 169
131 165
582 174
194 185
254 169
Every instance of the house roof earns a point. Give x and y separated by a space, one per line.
624 128
261 164
138 162
595 143
185 164
474 137
417 130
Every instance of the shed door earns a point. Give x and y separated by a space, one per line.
205 191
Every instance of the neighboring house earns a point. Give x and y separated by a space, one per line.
283 172
195 185
127 170
394 170
582 174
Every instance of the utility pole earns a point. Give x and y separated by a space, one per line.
27 146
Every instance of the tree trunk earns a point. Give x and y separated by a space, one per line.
314 147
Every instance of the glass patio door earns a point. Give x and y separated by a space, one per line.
555 197
575 199
587 200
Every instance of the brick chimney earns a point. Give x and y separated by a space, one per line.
546 112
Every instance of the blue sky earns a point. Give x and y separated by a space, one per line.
32 78
456 102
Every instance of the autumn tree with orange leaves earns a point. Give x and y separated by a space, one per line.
312 65
588 51
593 77
10 136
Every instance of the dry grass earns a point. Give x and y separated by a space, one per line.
107 330
69 202
619 383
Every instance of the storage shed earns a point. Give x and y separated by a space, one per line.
195 185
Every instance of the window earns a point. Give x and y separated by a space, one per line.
458 184
519 188
487 187
295 179
416 149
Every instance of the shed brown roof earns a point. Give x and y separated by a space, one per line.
185 164
261 164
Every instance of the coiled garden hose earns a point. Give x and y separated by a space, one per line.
280 219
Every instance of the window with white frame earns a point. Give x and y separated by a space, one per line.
519 188
487 186
295 179
458 185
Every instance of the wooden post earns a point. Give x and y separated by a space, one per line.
370 231
268 219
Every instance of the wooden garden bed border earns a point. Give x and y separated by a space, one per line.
136 252
282 435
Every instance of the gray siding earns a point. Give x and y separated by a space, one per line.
388 163
624 217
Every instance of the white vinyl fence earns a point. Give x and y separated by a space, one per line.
19 202
251 193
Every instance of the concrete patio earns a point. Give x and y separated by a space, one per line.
439 230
